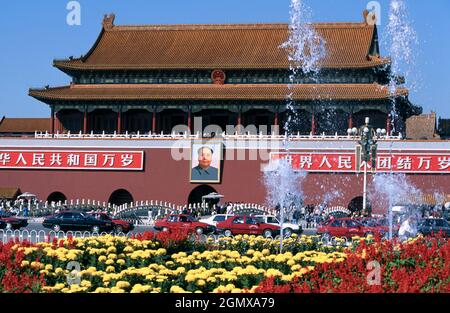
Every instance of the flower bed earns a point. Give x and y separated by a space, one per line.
419 265
171 263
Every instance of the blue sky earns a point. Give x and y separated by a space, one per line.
36 32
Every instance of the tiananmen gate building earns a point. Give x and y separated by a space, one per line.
136 98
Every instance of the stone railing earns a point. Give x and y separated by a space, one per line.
178 136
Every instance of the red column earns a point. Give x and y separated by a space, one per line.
239 127
53 120
58 125
189 122
388 125
313 124
85 122
119 122
154 122
350 121
275 124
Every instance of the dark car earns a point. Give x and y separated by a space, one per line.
12 222
240 225
2 225
433 226
183 222
120 226
77 221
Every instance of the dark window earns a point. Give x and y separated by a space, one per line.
336 224
219 219
260 219
252 221
67 215
352 224
78 216
102 217
238 220
172 219
184 219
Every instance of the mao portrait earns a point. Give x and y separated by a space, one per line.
205 163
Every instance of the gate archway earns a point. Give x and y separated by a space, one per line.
120 197
56 197
356 205
198 192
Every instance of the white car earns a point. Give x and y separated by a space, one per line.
288 228
214 219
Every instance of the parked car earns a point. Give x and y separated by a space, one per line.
214 219
238 225
347 227
446 215
2 225
395 225
432 226
73 220
377 225
11 222
120 226
186 222
288 228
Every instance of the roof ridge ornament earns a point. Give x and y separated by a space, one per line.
108 21
370 18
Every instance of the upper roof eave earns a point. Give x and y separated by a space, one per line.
76 65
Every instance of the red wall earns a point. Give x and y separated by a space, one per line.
168 180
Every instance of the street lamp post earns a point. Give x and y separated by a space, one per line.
367 146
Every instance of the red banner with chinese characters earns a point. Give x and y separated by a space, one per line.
72 160
386 162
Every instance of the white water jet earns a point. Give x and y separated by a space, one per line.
305 46
306 49
395 189
284 188
402 42
283 183
330 196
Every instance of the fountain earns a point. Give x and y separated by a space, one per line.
305 51
284 186
330 196
393 188
401 40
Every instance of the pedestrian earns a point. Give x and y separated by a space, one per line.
302 212
407 229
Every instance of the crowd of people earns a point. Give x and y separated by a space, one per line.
309 216
16 207
206 209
